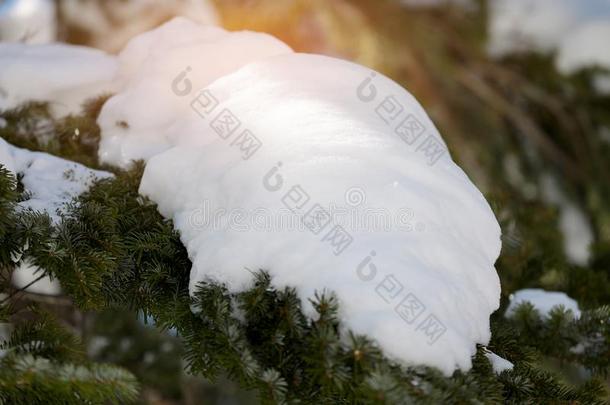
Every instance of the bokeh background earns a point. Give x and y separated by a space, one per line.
519 89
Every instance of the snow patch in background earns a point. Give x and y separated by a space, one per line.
28 21
543 301
516 177
25 273
578 30
601 83
64 75
586 46
158 71
573 223
522 25
319 135
50 182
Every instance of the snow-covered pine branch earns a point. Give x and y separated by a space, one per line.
325 311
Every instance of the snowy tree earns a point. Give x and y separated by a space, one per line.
110 199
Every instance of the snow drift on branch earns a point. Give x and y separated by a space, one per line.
324 126
543 301
49 182
158 70
64 75
275 131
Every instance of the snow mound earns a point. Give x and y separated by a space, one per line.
50 182
542 300
159 70
308 135
64 75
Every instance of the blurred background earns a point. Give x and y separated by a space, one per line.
519 89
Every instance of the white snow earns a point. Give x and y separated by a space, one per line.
25 273
64 75
499 364
424 292
577 30
161 71
50 181
542 300
573 223
29 21
518 25
96 345
586 46
601 83
515 176
425 295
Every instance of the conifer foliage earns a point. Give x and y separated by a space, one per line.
41 361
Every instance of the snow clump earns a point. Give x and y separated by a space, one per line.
238 124
543 301
158 70
63 75
300 133
49 182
